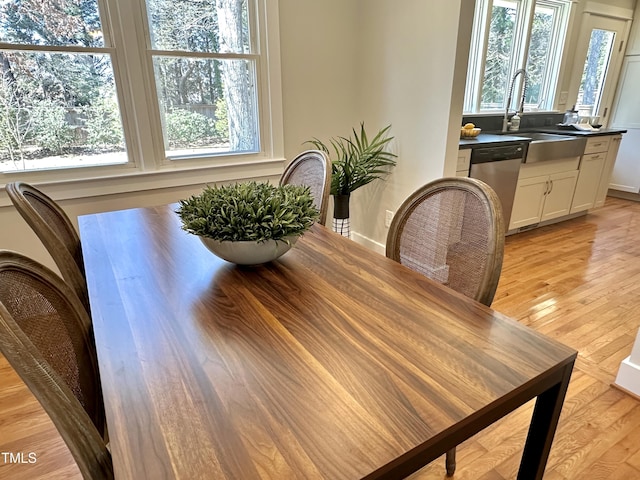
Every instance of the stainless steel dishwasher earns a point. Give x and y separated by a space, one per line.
499 167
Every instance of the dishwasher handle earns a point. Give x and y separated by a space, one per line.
497 154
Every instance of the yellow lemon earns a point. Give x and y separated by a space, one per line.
469 126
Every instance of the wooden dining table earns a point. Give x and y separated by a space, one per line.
332 362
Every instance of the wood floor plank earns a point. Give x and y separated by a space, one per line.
634 460
577 281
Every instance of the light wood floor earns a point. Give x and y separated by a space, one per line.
578 281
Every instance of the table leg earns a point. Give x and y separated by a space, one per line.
543 427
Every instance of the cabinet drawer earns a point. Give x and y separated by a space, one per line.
597 144
586 158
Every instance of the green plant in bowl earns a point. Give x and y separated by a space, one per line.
249 223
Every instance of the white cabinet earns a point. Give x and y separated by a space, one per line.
595 172
633 48
529 201
597 144
544 192
610 160
558 198
591 167
626 114
464 161
626 170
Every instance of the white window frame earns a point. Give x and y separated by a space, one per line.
519 55
127 40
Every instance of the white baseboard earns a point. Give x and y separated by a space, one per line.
367 242
629 377
623 188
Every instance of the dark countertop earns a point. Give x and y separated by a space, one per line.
581 133
496 138
489 140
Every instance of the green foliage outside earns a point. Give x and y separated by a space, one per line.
501 32
249 212
221 125
51 131
52 103
539 51
186 128
102 124
500 47
595 66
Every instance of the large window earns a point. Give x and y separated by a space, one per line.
101 82
205 73
57 93
509 35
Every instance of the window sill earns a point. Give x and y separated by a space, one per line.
131 180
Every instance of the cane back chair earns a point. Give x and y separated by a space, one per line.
46 336
313 169
54 229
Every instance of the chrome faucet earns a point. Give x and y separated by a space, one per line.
505 121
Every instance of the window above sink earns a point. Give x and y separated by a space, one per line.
509 35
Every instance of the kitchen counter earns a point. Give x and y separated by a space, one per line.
489 140
497 138
581 133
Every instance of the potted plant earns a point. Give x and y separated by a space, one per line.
249 223
357 162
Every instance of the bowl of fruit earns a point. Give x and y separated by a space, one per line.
469 131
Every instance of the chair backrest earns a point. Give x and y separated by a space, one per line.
46 335
52 225
311 168
452 230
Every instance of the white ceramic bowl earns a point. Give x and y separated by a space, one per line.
249 253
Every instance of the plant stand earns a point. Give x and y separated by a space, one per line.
341 215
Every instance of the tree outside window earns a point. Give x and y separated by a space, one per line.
205 72
595 68
57 91
502 46
59 94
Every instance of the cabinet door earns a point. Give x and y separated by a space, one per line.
464 161
588 181
603 186
528 201
560 194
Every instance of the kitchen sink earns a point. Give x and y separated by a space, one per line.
550 146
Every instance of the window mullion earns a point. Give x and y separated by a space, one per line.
210 55
521 47
525 26
478 57
137 98
481 63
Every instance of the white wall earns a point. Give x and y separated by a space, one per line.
318 45
381 62
409 79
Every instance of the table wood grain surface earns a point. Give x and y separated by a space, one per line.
332 362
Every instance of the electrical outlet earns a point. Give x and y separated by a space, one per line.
388 217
